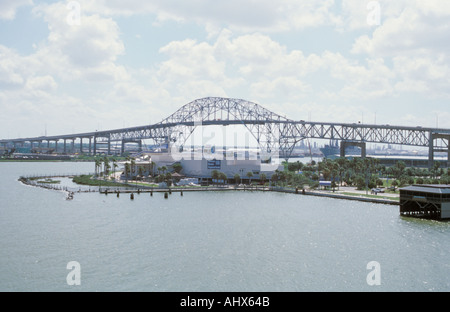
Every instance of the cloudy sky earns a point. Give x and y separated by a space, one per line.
78 66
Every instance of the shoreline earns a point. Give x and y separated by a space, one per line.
254 189
131 189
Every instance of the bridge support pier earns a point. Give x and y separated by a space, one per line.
433 149
125 141
81 145
345 144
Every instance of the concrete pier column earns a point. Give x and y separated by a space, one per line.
90 147
65 146
72 147
95 145
448 155
122 148
56 146
109 144
235 146
431 151
140 145
81 145
342 149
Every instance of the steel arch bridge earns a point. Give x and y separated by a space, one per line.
275 135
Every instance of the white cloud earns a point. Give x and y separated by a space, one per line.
417 29
93 43
238 15
46 83
8 8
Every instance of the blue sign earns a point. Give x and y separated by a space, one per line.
213 164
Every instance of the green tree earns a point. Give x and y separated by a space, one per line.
274 178
395 184
249 176
435 170
114 166
133 167
127 171
379 182
106 167
98 164
168 178
177 167
360 182
263 178
237 178
223 177
215 175
153 164
140 171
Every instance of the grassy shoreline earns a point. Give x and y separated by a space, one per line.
88 180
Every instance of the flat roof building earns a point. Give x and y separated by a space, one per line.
425 201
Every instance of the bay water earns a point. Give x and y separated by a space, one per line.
210 241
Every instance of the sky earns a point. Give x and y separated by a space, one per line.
80 66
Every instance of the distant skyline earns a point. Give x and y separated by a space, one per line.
81 66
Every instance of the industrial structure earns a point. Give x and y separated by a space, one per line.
425 201
276 136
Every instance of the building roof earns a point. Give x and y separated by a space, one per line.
428 188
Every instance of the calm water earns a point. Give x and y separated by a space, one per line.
209 241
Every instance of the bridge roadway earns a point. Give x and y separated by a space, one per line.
273 132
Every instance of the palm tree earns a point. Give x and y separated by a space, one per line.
237 178
141 171
127 171
215 175
223 177
114 167
133 166
106 167
168 177
263 178
153 168
249 176
98 164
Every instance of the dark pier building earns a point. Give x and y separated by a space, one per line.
425 201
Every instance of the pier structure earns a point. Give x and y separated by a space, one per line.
275 135
345 144
425 201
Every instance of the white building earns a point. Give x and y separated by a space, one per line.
202 167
